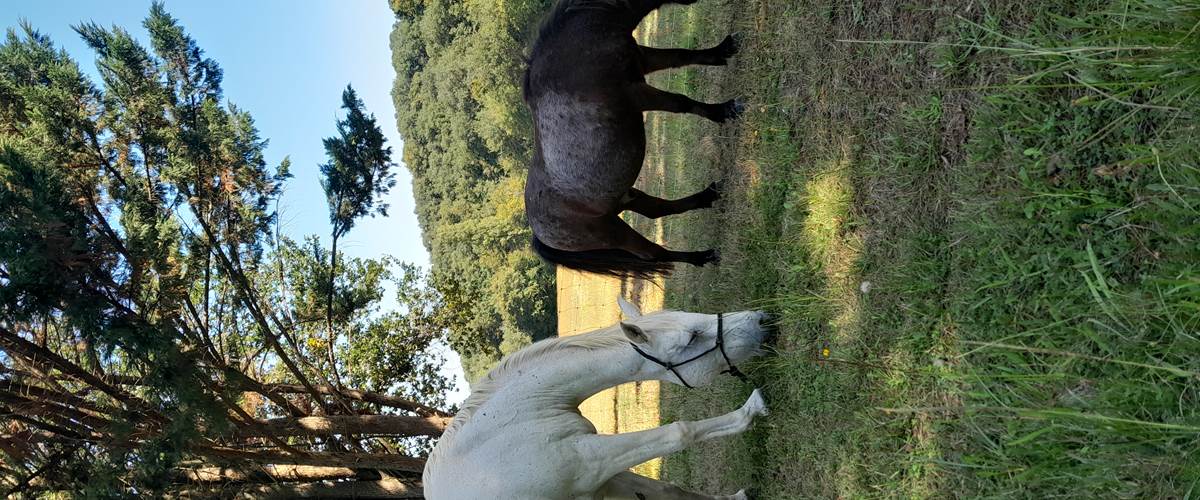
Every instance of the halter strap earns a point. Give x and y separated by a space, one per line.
719 346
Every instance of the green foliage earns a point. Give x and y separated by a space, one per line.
136 251
386 350
395 346
358 170
42 234
467 139
406 8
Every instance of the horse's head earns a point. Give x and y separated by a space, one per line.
692 349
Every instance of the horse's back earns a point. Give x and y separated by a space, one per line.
590 146
590 137
582 47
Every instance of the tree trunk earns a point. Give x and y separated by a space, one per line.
337 378
324 459
264 474
383 488
391 425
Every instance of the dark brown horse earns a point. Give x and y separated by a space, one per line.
586 88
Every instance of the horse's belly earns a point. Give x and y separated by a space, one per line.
591 151
529 460
512 475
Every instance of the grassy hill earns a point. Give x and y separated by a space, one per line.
978 221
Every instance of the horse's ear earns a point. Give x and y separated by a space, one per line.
629 310
634 333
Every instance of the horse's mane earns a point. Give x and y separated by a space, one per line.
483 390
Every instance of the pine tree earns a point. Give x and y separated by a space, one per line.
356 177
155 327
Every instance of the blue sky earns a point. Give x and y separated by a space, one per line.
286 62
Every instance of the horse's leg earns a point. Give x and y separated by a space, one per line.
658 59
648 98
633 242
616 453
654 208
630 486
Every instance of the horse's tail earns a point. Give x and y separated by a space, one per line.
609 262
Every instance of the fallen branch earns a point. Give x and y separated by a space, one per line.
368 397
264 474
17 346
391 425
323 459
383 488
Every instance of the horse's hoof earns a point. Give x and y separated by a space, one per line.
710 195
733 109
756 405
729 47
713 257
744 494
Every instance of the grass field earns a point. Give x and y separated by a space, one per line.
987 212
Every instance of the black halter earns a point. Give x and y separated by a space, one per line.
719 346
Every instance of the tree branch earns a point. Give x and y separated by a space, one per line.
391 425
245 291
48 427
383 488
18 346
250 421
368 397
50 463
242 380
264 474
324 459
16 388
64 414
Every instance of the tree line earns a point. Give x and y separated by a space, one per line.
158 335
467 141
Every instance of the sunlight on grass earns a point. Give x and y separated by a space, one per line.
833 241
827 197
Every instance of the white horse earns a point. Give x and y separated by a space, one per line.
520 435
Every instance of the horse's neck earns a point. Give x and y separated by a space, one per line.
570 375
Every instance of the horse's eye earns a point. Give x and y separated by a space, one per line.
695 335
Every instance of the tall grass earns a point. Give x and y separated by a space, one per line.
1031 328
1078 293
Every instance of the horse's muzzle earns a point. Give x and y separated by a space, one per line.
770 327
